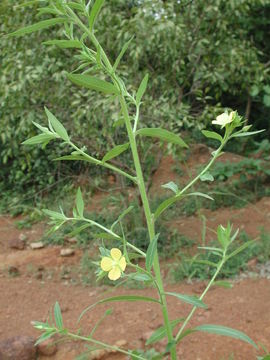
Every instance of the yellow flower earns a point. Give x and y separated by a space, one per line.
115 264
224 119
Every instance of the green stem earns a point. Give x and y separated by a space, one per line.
111 347
149 221
104 164
201 298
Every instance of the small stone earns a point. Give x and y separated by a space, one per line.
67 252
23 237
72 240
37 245
18 348
47 348
17 244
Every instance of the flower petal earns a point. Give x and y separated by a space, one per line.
116 254
115 273
106 264
122 263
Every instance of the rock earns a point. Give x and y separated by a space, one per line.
37 245
16 243
47 348
23 237
98 354
18 348
67 252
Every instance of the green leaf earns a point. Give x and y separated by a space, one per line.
171 186
163 135
47 335
93 83
122 52
39 139
241 248
64 44
122 215
139 277
266 100
206 262
207 177
129 298
212 135
224 284
222 236
165 204
141 90
104 236
54 214
248 133
58 316
79 202
79 229
57 126
192 300
94 12
225 331
160 333
254 91
117 150
38 26
151 252
200 194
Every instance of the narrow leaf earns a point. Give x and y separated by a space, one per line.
200 194
207 177
212 135
64 44
248 133
93 83
79 229
54 214
192 300
225 284
39 139
79 202
58 316
163 135
142 88
121 216
151 252
44 337
225 331
94 12
57 126
171 186
160 333
38 26
117 150
165 204
129 298
76 157
119 57
241 248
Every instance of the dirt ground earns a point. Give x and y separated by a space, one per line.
39 283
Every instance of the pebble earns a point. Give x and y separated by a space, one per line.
67 252
37 245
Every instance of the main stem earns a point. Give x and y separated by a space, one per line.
149 221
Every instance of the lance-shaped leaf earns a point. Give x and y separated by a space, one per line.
122 215
212 135
58 316
165 204
38 26
171 186
57 126
54 215
77 157
142 88
93 83
160 333
151 252
163 135
192 300
122 52
197 193
225 331
64 44
79 202
94 12
129 298
248 133
40 139
117 150
207 177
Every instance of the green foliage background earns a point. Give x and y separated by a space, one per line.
201 57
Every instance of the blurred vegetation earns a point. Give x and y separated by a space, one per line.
200 57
